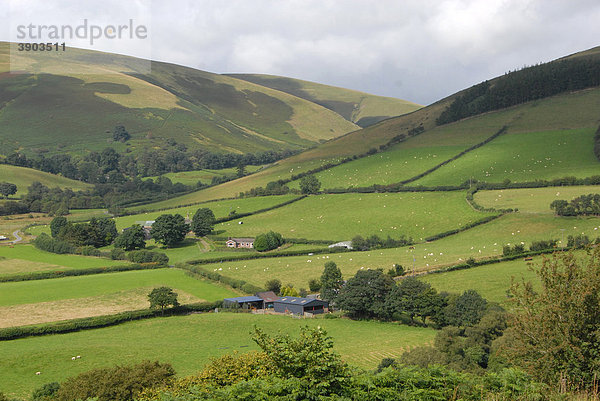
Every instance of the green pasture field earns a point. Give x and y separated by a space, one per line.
531 200
414 156
523 157
188 343
343 216
23 177
35 291
195 250
25 258
204 176
479 242
491 281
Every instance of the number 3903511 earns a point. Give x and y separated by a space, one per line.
41 47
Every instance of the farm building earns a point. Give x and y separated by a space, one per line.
240 242
2 238
343 244
300 306
247 302
268 298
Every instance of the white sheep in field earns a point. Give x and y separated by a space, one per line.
78 356
73 358
38 373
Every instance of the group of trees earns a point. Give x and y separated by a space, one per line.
268 241
96 232
521 86
7 189
375 242
98 167
584 205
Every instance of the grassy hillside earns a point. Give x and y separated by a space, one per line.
361 108
188 342
341 217
76 98
23 177
532 200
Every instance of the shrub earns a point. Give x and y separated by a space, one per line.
268 241
89 250
143 256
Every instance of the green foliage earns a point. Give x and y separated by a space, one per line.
309 357
543 245
202 222
314 285
56 225
162 297
365 294
578 241
554 329
132 238
49 244
396 271
144 256
584 205
97 233
375 242
46 392
118 253
268 241
169 229
466 309
289 291
7 189
120 134
273 285
309 184
514 250
331 282
120 383
414 298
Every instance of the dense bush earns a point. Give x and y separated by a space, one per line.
543 245
49 244
584 205
120 383
144 256
517 249
375 242
268 241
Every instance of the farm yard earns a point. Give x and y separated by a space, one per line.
188 342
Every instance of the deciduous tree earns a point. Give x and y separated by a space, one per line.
203 221
169 229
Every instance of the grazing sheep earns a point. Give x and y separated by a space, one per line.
38 373
73 358
78 356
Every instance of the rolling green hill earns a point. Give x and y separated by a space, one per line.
75 99
23 177
360 108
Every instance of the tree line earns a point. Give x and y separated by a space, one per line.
584 205
527 84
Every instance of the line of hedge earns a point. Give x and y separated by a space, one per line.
77 272
68 326
484 220
238 216
268 255
232 282
471 200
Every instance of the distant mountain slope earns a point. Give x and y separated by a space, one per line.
80 97
565 112
358 107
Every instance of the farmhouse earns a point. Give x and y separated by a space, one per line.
268 298
300 306
2 238
247 302
240 242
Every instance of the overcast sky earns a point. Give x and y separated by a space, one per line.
417 50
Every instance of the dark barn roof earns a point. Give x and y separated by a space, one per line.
240 300
300 301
